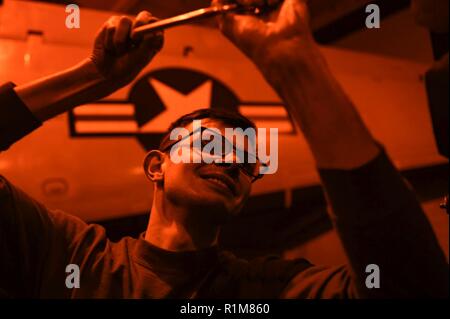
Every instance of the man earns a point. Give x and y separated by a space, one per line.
376 215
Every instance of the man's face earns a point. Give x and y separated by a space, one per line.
219 190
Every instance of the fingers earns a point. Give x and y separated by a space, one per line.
110 29
152 41
233 25
122 34
117 33
225 21
143 18
296 11
229 24
244 31
302 7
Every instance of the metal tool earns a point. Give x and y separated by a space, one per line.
185 18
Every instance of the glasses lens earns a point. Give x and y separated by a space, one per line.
212 144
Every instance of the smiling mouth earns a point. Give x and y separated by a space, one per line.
220 183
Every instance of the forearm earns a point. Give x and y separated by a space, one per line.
380 221
60 92
328 119
378 218
368 199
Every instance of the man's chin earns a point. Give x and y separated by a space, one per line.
215 201
216 205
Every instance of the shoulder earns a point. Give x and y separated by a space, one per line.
326 282
4 190
12 197
13 192
20 209
262 277
269 265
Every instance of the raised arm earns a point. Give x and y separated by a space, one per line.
37 244
115 61
376 215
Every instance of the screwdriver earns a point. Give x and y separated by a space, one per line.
190 17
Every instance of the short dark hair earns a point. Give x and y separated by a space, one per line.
233 118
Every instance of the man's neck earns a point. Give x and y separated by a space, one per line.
175 229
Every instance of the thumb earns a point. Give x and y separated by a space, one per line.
243 30
229 23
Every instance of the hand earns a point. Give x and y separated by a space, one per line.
117 58
277 37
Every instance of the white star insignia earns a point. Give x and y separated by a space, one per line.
177 104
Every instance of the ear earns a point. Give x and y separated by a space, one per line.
153 165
